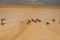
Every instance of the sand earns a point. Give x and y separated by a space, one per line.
18 27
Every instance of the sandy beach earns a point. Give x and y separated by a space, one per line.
30 23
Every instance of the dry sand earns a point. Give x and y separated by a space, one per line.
22 24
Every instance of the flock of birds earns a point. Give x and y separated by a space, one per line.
38 20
